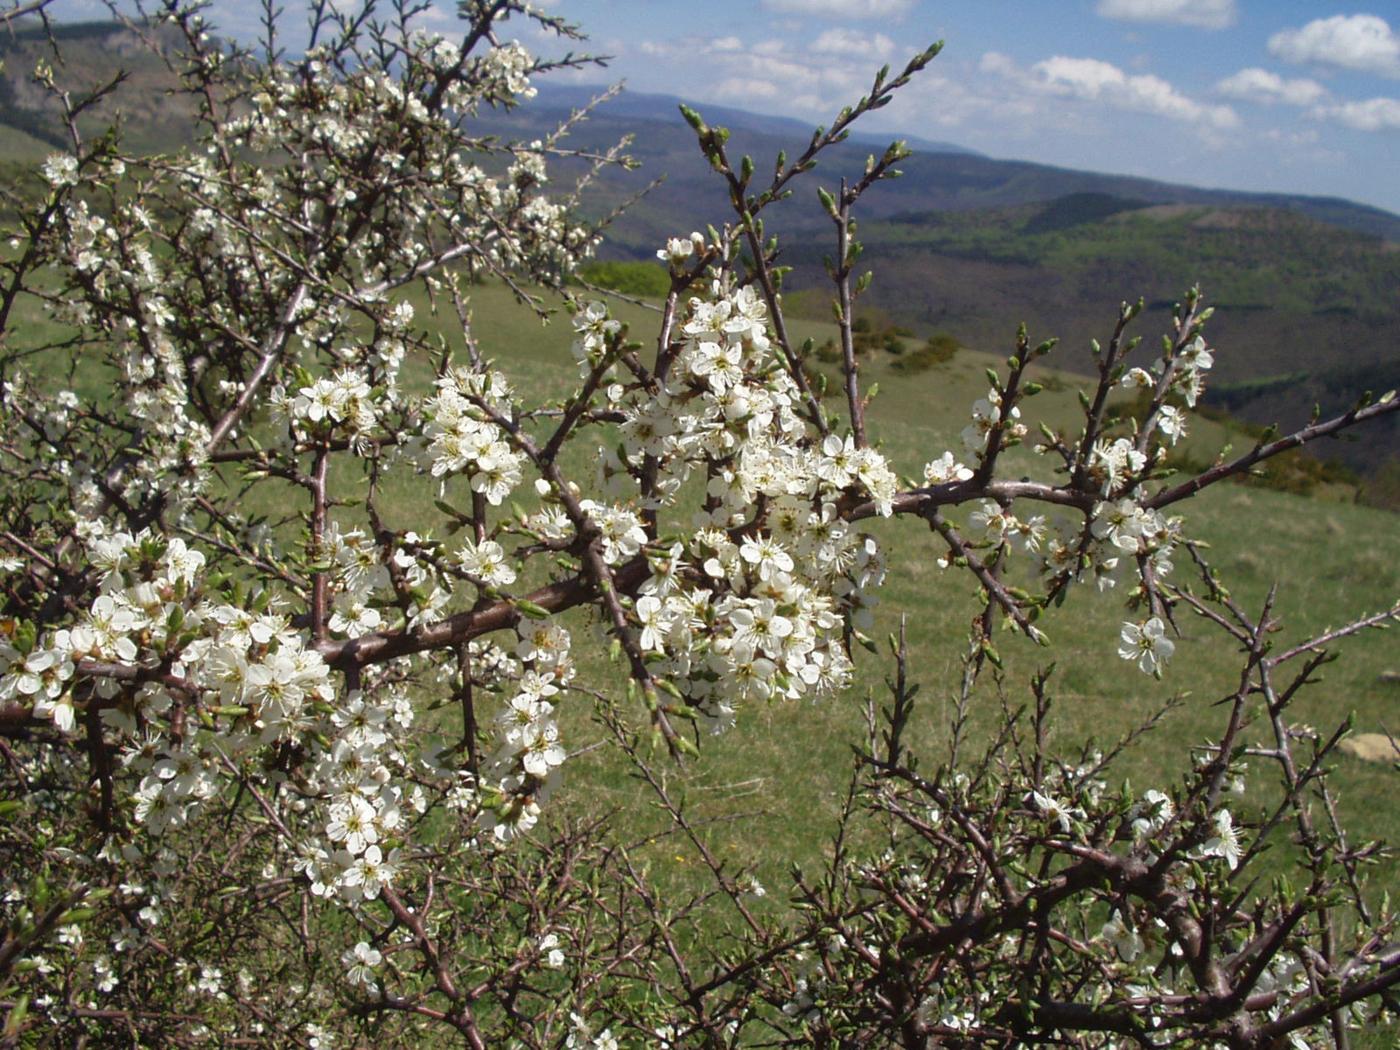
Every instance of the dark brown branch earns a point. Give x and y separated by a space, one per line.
1176 493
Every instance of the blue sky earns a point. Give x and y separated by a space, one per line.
1249 94
1299 96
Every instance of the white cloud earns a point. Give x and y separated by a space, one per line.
1293 139
722 48
1362 42
844 10
1093 80
1203 14
1373 114
431 14
772 75
853 43
746 89
1000 64
1259 85
1082 77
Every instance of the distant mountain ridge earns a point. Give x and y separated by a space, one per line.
969 245
664 108
940 175
962 243
154 120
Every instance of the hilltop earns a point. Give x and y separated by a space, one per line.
90 54
971 245
963 243
940 176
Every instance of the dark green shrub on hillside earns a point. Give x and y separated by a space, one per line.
877 332
1297 471
1079 209
1382 490
866 338
647 280
939 349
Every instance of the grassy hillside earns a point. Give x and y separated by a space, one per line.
91 54
1306 313
786 759
767 794
969 245
963 243
21 150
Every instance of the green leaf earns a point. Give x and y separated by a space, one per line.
15 1021
448 509
684 746
693 119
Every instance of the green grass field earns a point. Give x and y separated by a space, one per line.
767 794
1333 560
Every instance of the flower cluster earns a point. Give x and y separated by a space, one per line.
754 603
1182 374
460 438
248 676
524 770
987 415
342 402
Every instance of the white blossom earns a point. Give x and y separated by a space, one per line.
1146 643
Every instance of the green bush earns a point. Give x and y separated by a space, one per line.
1382 490
648 280
939 349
